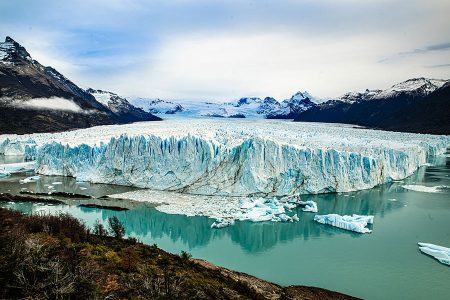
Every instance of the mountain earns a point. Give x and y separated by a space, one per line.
247 107
35 98
298 103
415 105
157 106
120 106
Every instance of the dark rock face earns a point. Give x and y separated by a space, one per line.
23 79
409 111
122 108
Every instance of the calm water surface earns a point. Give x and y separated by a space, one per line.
383 265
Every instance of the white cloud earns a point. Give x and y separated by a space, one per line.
50 104
227 66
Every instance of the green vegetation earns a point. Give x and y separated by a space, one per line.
58 257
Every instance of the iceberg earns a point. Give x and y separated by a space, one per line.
442 254
355 223
30 179
425 189
222 223
8 169
310 206
229 158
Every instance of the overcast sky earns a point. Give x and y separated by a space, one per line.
222 50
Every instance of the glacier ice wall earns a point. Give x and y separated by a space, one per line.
256 166
239 158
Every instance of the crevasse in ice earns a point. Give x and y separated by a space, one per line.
238 158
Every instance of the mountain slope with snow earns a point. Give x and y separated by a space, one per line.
416 105
120 106
247 107
35 98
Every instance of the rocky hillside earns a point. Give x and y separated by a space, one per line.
417 105
35 98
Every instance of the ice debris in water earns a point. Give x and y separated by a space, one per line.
425 189
221 223
442 254
30 179
266 209
310 206
355 223
8 169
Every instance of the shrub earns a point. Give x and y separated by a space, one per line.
116 227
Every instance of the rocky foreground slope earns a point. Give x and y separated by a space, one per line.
58 257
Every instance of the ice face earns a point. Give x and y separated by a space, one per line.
355 223
442 254
234 158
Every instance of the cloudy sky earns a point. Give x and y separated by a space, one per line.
221 50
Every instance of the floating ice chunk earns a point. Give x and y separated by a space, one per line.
30 179
425 189
222 223
442 254
16 168
261 209
50 187
310 206
295 218
57 183
4 173
355 223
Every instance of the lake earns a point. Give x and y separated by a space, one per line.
385 264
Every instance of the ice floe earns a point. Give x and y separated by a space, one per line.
425 189
8 169
355 223
310 206
442 254
223 209
30 179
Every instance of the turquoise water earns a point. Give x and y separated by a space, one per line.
385 264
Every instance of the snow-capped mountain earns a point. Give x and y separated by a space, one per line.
415 105
414 87
157 106
247 107
120 106
35 98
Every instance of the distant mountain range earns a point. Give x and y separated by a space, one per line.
34 98
417 105
250 107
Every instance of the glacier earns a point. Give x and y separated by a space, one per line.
261 158
442 254
355 223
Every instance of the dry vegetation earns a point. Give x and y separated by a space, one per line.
58 257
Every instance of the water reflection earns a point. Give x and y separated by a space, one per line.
151 226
